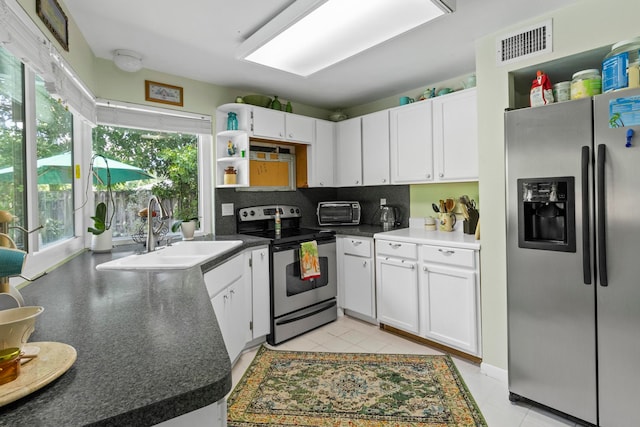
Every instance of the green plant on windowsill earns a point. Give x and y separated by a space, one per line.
184 215
99 220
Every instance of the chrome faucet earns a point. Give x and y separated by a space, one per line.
151 235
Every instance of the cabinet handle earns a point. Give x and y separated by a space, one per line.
290 135
428 175
441 175
261 255
225 297
395 245
364 263
232 292
424 269
384 180
357 181
446 251
356 242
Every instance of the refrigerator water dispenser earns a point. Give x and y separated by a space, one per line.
546 214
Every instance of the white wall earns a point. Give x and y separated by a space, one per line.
587 25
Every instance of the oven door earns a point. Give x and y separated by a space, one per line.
289 292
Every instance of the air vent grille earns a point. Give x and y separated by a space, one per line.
525 43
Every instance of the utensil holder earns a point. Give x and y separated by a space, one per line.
469 226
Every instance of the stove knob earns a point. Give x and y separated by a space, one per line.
244 214
252 213
291 210
297 211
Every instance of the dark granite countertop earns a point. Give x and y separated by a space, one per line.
148 342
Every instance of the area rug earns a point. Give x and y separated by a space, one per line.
287 388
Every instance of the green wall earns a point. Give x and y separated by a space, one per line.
423 195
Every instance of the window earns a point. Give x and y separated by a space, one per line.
170 160
12 177
54 147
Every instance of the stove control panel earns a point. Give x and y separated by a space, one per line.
257 213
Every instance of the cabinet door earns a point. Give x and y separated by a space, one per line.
260 289
448 307
397 299
238 321
348 153
299 128
375 148
455 136
268 123
411 142
359 294
321 161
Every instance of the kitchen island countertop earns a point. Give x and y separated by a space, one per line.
148 343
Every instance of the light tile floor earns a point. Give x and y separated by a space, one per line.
351 335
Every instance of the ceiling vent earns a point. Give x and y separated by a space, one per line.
525 43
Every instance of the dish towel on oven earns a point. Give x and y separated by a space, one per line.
309 262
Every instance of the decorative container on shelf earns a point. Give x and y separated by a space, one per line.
232 121
230 176
289 107
276 105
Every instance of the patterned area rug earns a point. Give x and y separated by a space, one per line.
286 388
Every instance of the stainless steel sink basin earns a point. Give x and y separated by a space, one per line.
181 255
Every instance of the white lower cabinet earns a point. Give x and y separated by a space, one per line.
242 311
225 285
397 285
431 291
449 297
356 276
260 325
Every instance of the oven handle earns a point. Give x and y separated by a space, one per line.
322 308
296 245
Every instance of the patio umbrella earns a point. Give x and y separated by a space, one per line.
58 169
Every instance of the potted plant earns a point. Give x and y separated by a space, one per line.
102 235
186 220
101 241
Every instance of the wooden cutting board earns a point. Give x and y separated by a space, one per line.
53 360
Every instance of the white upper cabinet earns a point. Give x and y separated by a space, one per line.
375 146
299 128
268 123
278 125
455 136
411 142
321 160
348 153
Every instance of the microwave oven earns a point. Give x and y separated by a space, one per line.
338 213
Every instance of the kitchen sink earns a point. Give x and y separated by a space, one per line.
181 255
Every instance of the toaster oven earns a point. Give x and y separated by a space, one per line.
338 213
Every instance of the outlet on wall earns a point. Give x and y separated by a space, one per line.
227 209
383 202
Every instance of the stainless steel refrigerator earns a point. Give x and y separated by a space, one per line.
573 257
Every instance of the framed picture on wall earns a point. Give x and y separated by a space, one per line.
163 93
56 21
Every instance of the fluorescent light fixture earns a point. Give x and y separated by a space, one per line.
313 34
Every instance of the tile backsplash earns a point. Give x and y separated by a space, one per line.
307 199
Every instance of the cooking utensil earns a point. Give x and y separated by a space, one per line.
442 207
450 205
435 208
465 211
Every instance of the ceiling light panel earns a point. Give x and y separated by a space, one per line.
334 31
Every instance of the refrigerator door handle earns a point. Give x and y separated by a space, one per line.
601 220
586 235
